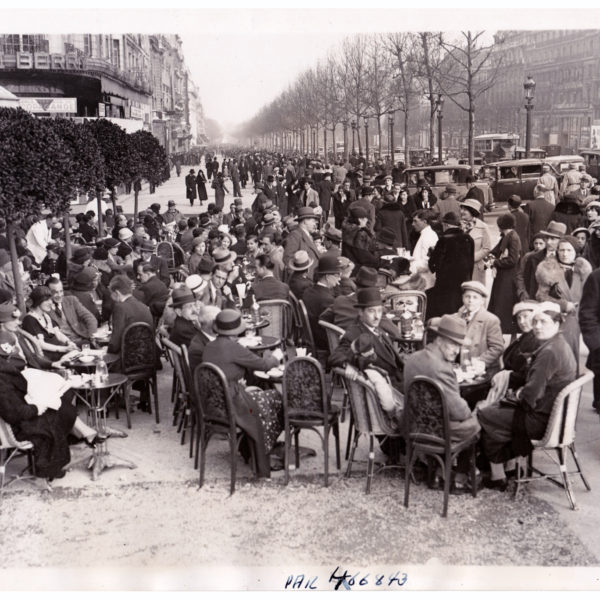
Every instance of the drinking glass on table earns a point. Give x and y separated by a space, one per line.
85 349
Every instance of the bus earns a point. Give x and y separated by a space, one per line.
496 146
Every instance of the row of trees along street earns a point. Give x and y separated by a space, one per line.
48 163
370 76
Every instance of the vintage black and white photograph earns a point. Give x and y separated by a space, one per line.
299 299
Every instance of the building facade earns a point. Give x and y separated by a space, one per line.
138 81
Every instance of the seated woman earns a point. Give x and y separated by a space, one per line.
38 323
26 409
508 427
258 413
560 279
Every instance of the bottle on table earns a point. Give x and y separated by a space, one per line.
101 371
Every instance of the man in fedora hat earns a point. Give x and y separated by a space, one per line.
320 296
436 361
366 202
522 222
341 200
385 242
332 240
266 286
186 323
392 216
172 214
525 280
539 211
149 257
298 267
368 321
470 214
190 186
269 247
301 238
548 184
448 202
452 262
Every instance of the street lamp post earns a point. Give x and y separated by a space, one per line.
391 121
529 87
353 125
367 137
439 103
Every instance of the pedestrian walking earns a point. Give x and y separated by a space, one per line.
201 185
218 185
190 186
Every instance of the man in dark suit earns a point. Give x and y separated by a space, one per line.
127 310
206 318
370 312
325 192
298 267
341 200
365 202
148 256
301 238
186 324
266 286
473 191
589 321
152 291
539 211
522 224
320 296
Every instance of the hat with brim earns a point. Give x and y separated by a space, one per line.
474 286
328 265
525 305
182 296
125 233
386 236
367 297
366 277
222 256
148 246
194 282
229 322
81 255
472 204
300 261
450 327
593 204
581 230
110 243
333 234
206 265
268 218
171 203
305 212
554 229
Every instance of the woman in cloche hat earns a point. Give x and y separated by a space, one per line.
257 411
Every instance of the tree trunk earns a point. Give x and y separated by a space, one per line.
100 215
379 137
471 131
67 228
136 195
334 148
406 144
325 142
358 136
12 246
113 199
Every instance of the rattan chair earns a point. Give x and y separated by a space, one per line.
138 363
216 414
307 338
182 404
368 418
559 437
11 448
281 320
306 405
427 434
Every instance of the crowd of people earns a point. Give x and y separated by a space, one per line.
344 239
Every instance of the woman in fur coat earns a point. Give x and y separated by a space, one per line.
560 279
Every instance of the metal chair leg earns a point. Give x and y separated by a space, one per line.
447 476
126 396
350 427
351 459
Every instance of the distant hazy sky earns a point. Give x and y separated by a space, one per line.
241 58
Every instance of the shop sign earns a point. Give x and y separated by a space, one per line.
43 60
49 105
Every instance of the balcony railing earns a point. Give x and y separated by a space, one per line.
134 78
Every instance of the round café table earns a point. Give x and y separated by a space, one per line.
76 364
96 395
266 342
476 389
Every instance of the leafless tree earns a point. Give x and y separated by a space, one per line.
403 47
469 70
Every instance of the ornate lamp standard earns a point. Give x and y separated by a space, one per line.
529 87
439 104
353 125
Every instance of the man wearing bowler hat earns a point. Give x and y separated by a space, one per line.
436 361
332 240
301 238
186 323
369 306
320 296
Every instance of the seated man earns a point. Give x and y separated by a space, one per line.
436 360
74 319
127 310
206 318
370 312
483 328
186 324
299 280
152 291
266 286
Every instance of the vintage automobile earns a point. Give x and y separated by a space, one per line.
439 176
520 176
592 161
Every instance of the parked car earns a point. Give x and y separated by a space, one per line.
520 176
592 161
439 176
